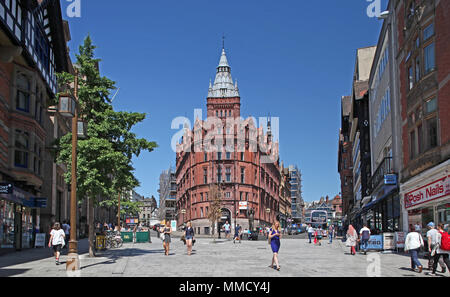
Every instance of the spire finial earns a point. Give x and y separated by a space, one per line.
223 41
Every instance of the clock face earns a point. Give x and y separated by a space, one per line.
366 123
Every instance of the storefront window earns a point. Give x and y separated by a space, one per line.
443 214
27 228
427 216
6 224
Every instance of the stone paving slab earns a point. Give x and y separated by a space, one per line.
297 258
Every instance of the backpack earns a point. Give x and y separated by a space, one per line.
445 241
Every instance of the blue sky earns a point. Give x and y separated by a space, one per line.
293 59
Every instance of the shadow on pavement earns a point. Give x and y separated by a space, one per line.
12 272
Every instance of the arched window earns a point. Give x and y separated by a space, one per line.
23 93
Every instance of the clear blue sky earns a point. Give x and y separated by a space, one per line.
292 58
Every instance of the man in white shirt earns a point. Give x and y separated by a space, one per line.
310 233
227 230
433 240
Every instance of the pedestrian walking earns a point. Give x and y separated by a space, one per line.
66 228
442 249
331 233
319 234
352 238
275 243
167 231
413 243
365 236
434 241
189 237
418 228
310 233
56 241
237 234
227 229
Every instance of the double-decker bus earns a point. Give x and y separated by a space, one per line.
319 218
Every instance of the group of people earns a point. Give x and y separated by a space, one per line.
318 234
438 248
353 238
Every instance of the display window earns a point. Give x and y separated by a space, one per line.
443 214
6 224
27 228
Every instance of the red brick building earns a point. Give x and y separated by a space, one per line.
424 69
230 152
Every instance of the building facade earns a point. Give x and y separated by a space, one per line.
33 49
360 132
345 160
167 195
381 208
248 183
423 61
285 211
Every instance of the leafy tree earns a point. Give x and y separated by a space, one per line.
104 158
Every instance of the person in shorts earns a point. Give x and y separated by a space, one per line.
189 237
227 229
56 241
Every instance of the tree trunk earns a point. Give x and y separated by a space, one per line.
91 227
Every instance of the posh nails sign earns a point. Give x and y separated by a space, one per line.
432 191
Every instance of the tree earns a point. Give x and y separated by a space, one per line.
104 158
215 211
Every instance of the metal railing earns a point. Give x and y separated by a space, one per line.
378 177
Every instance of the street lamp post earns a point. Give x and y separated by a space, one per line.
73 263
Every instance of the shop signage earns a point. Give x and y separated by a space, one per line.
40 240
243 205
375 242
400 240
6 188
432 191
390 179
132 221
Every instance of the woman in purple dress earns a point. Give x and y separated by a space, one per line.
274 240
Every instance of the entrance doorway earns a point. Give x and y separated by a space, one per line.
225 217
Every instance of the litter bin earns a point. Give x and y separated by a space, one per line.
100 242
142 237
127 236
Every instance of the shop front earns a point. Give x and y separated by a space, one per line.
426 198
383 215
19 219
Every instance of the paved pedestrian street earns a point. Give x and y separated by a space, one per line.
221 259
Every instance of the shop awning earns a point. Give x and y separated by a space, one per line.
388 192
